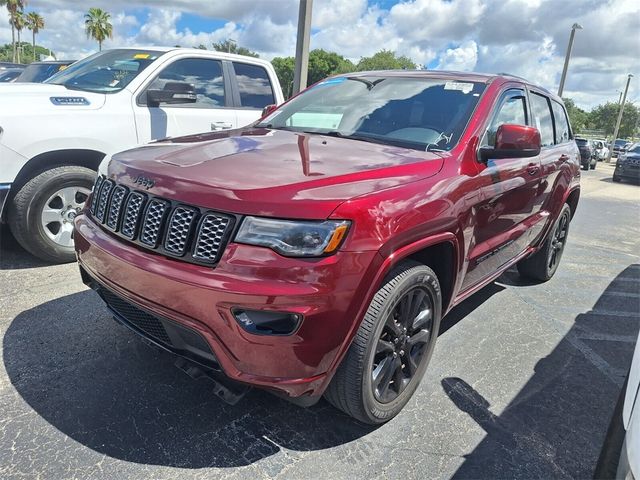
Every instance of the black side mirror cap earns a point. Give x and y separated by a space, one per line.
173 93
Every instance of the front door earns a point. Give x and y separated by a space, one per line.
212 110
508 190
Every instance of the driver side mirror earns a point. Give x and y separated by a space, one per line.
513 141
268 110
173 93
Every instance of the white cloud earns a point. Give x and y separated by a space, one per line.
462 58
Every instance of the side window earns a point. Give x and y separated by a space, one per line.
512 110
543 120
562 125
204 74
254 85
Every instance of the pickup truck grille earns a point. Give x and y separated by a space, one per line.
194 234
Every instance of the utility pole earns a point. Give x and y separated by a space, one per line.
302 46
615 131
574 27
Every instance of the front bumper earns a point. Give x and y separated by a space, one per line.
328 292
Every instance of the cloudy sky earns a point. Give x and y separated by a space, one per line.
523 37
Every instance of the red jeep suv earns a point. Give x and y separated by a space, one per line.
316 251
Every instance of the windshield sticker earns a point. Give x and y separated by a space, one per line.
463 87
139 56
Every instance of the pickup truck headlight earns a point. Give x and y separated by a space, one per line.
293 238
104 164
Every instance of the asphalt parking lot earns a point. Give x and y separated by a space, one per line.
522 384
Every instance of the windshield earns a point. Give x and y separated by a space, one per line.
105 72
418 113
619 142
634 149
581 141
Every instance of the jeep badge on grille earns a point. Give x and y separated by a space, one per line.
144 182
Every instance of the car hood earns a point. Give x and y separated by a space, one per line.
270 172
21 98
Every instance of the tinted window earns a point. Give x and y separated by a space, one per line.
422 114
581 141
39 72
254 85
543 121
562 125
204 74
511 111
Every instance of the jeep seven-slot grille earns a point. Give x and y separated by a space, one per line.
194 234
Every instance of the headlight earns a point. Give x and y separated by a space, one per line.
293 238
102 168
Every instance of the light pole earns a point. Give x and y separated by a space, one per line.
574 27
615 131
229 42
302 46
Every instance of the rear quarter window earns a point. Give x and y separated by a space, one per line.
543 119
254 85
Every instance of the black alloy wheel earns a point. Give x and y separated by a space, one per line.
402 344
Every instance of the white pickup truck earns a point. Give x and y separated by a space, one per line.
54 135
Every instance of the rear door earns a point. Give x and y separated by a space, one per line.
213 109
509 189
253 90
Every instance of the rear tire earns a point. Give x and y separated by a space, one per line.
41 213
543 264
617 179
392 348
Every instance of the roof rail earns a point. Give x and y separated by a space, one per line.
512 75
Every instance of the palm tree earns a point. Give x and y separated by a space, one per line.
19 23
98 26
13 6
35 23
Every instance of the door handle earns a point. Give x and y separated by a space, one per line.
532 169
221 125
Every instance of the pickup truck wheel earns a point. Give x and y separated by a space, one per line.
392 348
42 212
543 264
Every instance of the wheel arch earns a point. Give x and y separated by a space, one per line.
56 158
572 200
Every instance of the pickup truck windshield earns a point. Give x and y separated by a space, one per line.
105 72
417 113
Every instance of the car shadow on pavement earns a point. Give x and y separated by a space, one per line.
13 256
555 426
103 387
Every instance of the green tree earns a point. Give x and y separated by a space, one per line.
13 7
321 65
385 60
284 67
231 47
604 117
578 118
6 51
97 25
18 22
35 23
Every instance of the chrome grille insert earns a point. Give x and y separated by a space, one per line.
180 225
132 214
104 199
95 194
210 236
153 221
117 199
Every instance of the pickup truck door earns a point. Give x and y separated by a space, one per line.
253 90
213 109
507 197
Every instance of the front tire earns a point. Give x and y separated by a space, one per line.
543 264
392 348
42 212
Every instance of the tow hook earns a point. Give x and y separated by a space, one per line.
229 391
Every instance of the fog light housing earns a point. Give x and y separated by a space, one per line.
264 322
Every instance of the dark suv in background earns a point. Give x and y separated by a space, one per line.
316 251
588 156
